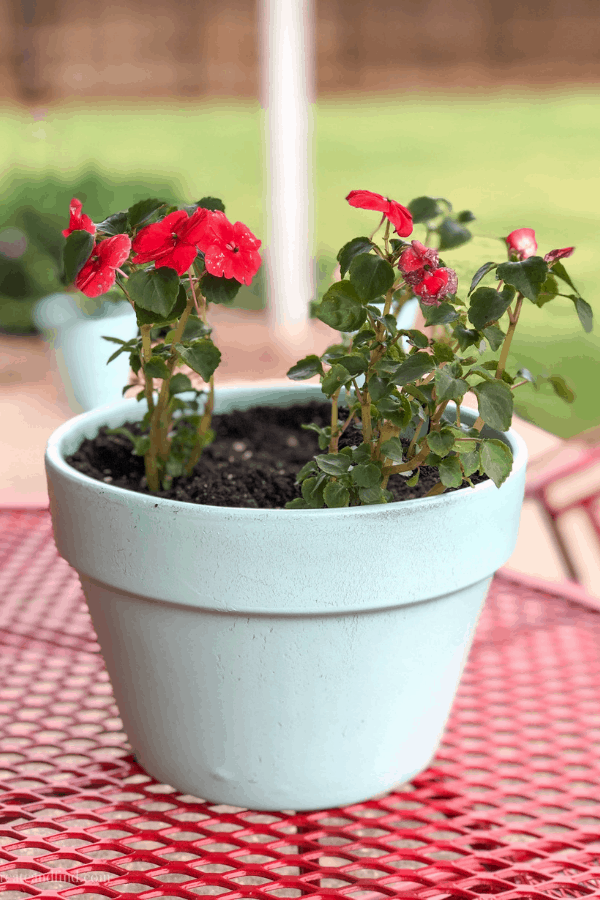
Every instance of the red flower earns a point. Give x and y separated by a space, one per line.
78 221
171 242
230 250
558 254
416 261
436 285
398 215
521 243
98 274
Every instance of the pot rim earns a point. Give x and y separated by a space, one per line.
55 458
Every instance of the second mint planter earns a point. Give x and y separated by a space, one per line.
80 350
256 657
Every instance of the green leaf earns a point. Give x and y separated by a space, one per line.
447 387
369 496
452 234
362 453
414 479
78 250
194 327
488 305
465 216
115 224
341 308
481 273
548 292
439 315
470 462
396 410
355 364
442 352
417 338
526 374
336 378
584 311
423 209
352 249
495 402
156 367
413 368
440 443
371 276
367 475
333 463
336 495
561 388
312 491
150 318
494 336
219 290
155 290
297 503
143 210
559 269
379 388
496 460
306 368
450 471
393 449
526 276
179 383
466 337
202 356
212 203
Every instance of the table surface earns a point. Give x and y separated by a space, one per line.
510 805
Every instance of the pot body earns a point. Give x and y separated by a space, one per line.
280 659
80 351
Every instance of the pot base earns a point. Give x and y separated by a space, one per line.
284 712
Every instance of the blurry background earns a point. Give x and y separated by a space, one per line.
493 104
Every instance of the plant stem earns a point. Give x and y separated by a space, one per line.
146 354
411 464
160 419
333 440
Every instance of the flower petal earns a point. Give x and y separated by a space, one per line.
114 250
558 254
367 200
180 258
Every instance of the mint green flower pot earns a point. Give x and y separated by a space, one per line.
80 351
280 659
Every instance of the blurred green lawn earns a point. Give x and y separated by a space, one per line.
515 159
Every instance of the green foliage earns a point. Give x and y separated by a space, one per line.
219 290
352 249
370 276
154 290
78 248
201 355
341 308
526 276
488 305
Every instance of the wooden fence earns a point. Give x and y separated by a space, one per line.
58 49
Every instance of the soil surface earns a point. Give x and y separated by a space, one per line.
253 461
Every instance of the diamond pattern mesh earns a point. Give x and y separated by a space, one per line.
510 805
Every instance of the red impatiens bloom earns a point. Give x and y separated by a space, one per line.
398 215
521 243
558 254
171 242
78 221
98 274
436 285
230 251
416 261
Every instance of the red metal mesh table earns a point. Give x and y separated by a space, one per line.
509 806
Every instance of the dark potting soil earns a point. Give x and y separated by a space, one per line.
253 461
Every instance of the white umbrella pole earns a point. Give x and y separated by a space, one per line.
287 91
